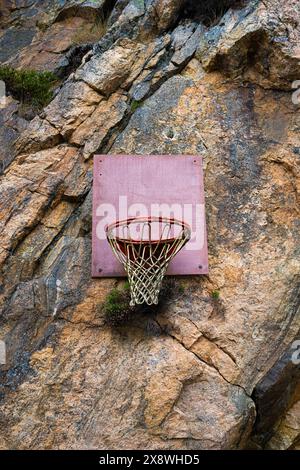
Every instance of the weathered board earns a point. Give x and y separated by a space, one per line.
145 185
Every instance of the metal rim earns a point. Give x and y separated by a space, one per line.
171 220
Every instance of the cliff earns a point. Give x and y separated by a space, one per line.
205 370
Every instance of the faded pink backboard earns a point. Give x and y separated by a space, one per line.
149 185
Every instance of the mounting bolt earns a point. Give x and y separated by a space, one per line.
200 266
99 270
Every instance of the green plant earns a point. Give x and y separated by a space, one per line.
180 289
219 310
29 86
135 105
215 294
126 286
117 310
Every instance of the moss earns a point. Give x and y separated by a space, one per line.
219 310
29 86
180 289
215 295
117 310
126 286
135 105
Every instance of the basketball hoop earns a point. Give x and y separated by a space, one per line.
145 246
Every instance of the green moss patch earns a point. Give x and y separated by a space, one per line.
117 310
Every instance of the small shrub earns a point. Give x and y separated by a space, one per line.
126 286
215 295
29 86
181 289
219 310
135 105
117 310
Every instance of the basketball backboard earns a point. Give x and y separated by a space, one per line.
149 186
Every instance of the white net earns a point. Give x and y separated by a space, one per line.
145 246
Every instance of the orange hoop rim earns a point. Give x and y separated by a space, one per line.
130 220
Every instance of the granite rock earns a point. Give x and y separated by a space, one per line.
186 376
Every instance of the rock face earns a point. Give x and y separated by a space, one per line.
254 43
160 81
10 127
41 35
277 402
